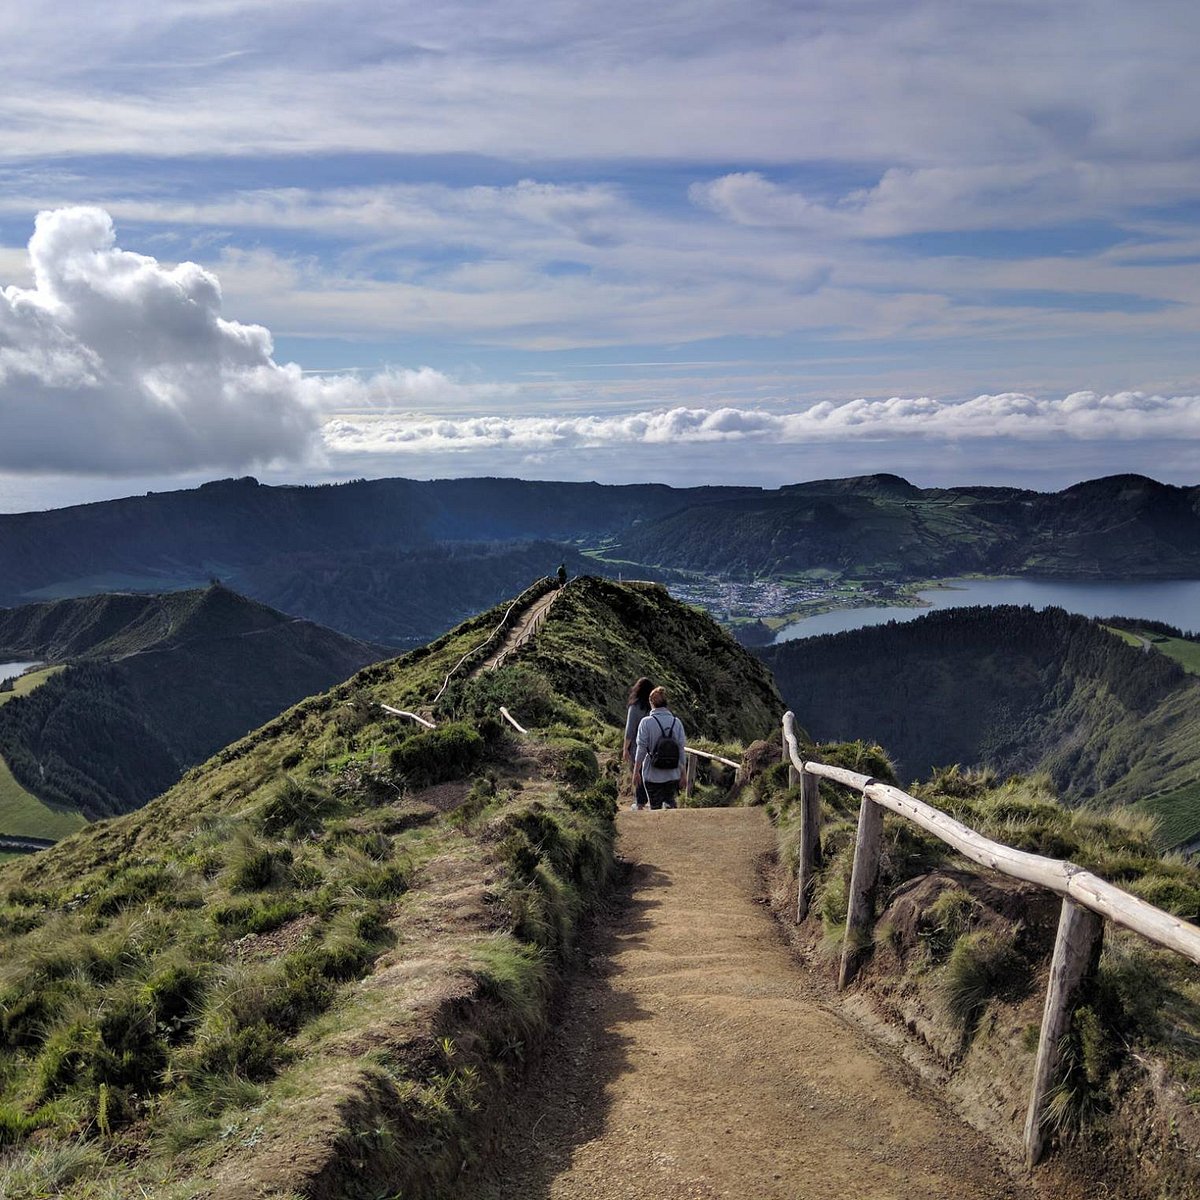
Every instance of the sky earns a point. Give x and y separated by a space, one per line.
752 242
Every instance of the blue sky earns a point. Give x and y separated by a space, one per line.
738 242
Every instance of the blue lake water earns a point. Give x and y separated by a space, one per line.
1176 601
12 669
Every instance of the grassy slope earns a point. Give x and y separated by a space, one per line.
295 964
190 672
24 684
1009 688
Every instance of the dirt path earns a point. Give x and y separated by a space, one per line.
529 625
695 1059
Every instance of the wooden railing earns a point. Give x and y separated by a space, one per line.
1087 901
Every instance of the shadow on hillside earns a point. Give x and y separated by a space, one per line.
564 1102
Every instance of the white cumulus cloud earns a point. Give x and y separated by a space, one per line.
113 362
1080 416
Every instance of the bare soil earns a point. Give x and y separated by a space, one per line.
696 1058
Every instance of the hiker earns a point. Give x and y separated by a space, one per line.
562 574
658 760
639 707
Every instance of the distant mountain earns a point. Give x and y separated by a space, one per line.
1125 526
1005 687
406 596
175 539
156 684
400 560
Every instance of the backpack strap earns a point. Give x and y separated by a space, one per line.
664 733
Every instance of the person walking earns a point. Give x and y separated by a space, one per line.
639 707
658 758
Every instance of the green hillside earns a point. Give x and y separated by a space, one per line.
1123 527
155 684
1009 688
340 927
22 814
397 560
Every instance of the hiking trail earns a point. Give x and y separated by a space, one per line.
695 1057
529 624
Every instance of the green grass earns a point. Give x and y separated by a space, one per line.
24 684
1177 814
182 983
23 814
1185 653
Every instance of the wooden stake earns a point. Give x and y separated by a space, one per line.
810 842
1076 954
860 911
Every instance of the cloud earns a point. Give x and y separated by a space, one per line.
113 362
1083 416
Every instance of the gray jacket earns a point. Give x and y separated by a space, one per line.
659 724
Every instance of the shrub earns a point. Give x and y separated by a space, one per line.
241 917
978 965
379 881
435 755
254 866
295 808
946 920
574 761
134 885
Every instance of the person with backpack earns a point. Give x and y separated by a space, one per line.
639 708
658 761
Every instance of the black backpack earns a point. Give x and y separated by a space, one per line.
665 754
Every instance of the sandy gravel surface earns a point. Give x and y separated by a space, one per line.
694 1059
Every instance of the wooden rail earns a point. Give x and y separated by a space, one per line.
512 720
1087 901
412 716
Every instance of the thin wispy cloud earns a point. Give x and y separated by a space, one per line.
503 212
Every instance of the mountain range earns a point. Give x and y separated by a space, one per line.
153 685
398 561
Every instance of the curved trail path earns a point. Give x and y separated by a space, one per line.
529 625
694 1058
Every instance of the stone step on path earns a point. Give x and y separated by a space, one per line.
695 1057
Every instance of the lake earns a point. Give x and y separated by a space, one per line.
1176 601
13 669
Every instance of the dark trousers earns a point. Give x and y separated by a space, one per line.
662 795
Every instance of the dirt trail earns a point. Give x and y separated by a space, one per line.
528 626
694 1058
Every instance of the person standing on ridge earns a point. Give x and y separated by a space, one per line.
562 574
639 708
658 760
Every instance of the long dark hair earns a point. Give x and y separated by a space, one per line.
639 694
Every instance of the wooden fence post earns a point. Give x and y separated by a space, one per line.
1076 954
689 774
810 842
860 909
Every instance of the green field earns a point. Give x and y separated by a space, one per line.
1178 814
21 812
1186 653
24 684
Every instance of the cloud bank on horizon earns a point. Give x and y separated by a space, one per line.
113 363
511 237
